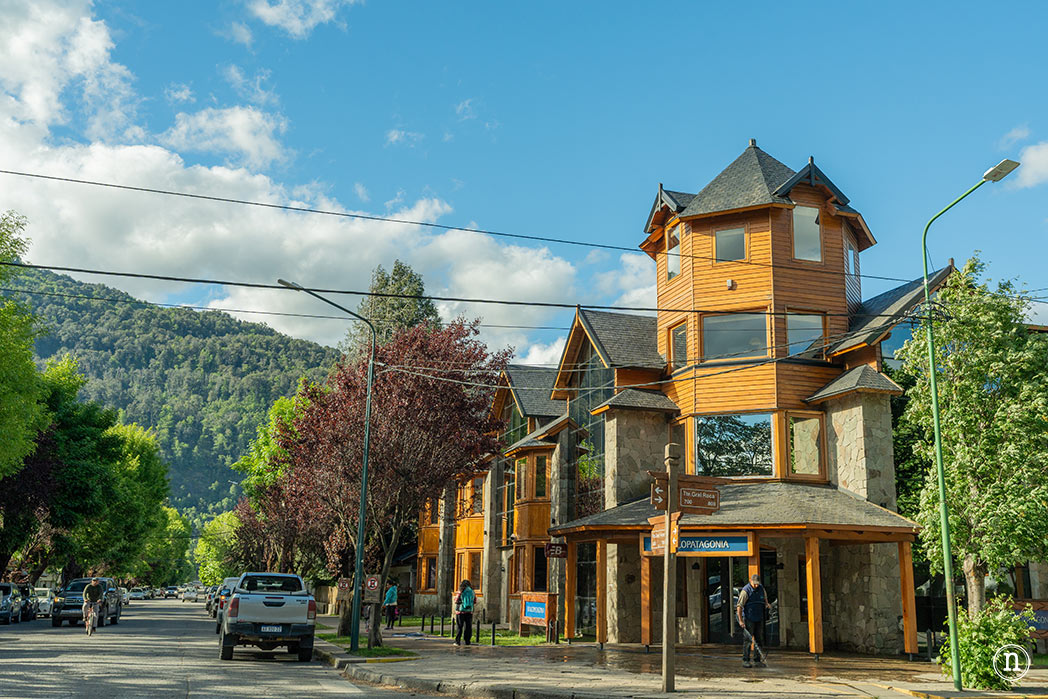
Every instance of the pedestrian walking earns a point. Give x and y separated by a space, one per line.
751 608
464 611
389 605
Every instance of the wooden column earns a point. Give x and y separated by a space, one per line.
909 603
602 591
647 617
812 573
754 561
570 582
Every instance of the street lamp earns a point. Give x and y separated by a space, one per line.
358 571
994 174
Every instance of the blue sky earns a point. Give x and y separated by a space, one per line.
554 119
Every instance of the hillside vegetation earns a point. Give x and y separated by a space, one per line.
202 380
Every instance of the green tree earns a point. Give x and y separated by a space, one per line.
164 556
212 552
21 409
266 460
993 399
391 313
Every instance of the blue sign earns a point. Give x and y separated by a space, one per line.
709 545
1040 619
535 610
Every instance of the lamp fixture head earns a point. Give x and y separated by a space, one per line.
290 285
1001 170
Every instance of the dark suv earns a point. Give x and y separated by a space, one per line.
10 603
70 601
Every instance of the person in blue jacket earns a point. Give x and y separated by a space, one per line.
389 604
751 608
464 609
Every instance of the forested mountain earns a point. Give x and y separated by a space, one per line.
202 380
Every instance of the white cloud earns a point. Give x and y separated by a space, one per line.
362 192
1019 133
398 137
634 282
178 92
540 354
246 134
1034 170
464 110
297 17
241 34
250 89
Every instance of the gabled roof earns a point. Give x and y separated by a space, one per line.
751 180
875 317
543 436
861 379
623 339
761 504
674 201
638 399
531 387
811 174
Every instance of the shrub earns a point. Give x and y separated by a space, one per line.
979 637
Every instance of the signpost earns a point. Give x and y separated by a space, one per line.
372 590
696 495
669 574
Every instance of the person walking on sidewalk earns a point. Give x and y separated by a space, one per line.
389 605
750 609
466 600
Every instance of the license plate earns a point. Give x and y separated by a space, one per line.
271 629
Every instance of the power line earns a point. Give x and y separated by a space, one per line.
409 222
242 310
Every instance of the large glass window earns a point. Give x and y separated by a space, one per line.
514 426
679 346
540 569
431 573
474 571
729 244
673 252
804 334
434 511
807 236
734 335
522 478
805 445
734 445
595 384
478 495
506 499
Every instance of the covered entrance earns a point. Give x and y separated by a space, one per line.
723 578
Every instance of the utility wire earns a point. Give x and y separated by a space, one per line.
409 222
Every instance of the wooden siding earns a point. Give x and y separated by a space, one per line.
469 532
429 540
531 520
796 382
637 377
747 389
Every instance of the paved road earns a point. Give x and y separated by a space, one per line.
159 649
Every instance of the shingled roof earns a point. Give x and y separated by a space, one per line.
760 504
864 379
624 340
531 387
751 180
637 399
875 318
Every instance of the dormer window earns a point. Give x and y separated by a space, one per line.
673 251
807 234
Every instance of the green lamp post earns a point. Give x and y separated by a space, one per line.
994 174
358 570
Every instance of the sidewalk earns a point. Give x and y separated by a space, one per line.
586 671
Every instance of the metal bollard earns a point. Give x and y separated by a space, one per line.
442 626
492 633
478 635
432 621
423 629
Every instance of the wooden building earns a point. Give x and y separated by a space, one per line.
764 363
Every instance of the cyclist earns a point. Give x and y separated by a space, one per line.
93 598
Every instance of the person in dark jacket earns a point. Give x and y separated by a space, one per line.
751 608
466 601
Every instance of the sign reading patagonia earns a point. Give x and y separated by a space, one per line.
709 544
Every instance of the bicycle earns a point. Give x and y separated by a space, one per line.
90 616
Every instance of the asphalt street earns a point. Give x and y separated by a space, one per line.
160 648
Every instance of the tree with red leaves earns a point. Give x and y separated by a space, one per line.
430 422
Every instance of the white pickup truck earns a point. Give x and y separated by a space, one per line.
269 610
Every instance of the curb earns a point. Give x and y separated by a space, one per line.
334 656
950 695
487 691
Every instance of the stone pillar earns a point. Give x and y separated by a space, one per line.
624 593
634 442
862 601
491 568
859 437
561 494
446 551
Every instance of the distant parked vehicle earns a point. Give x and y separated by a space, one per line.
225 591
191 594
170 592
137 593
125 596
45 598
269 610
28 602
10 603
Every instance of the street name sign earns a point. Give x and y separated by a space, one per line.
656 543
692 499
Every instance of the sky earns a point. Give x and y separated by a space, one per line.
546 118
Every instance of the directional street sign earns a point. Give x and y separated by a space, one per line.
658 534
704 500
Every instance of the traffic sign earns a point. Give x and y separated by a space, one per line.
372 589
343 583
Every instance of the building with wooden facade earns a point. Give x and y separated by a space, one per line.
764 363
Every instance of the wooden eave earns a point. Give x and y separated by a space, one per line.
529 448
822 531
855 390
740 210
658 229
867 240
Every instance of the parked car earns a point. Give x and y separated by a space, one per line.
269 610
190 594
70 601
28 602
125 596
138 593
225 591
45 598
10 603
170 592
